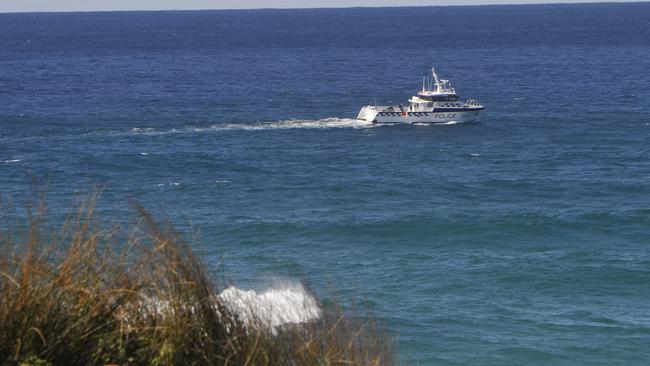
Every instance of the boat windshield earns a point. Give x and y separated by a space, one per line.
439 98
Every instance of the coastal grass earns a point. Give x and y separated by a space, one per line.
87 294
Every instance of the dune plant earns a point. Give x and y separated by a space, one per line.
87 294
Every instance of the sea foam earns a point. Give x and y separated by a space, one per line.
269 309
296 123
287 304
325 123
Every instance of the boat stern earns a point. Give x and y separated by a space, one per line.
368 113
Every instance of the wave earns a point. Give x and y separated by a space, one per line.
270 309
288 304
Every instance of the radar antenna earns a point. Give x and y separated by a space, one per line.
435 78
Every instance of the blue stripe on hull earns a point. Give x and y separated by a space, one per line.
440 110
420 123
430 118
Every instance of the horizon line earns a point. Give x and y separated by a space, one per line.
587 2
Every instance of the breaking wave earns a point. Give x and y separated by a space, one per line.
270 309
288 304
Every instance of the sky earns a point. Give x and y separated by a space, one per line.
102 5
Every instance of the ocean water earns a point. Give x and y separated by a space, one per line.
520 240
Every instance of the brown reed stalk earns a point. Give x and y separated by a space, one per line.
86 295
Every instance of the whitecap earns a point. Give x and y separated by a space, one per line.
274 307
270 309
12 161
142 129
168 184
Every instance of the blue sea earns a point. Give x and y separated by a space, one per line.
520 240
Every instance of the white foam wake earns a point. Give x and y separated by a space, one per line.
289 304
296 123
325 123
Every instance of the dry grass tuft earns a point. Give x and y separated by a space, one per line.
85 295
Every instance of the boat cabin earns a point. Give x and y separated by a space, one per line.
435 93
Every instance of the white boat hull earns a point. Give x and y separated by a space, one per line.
374 115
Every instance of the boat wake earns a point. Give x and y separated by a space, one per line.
326 123
296 123
450 123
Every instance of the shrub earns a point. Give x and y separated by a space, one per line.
89 295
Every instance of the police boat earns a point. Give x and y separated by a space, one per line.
436 103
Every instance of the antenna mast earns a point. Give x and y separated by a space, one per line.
435 77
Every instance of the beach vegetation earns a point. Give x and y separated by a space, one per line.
88 293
